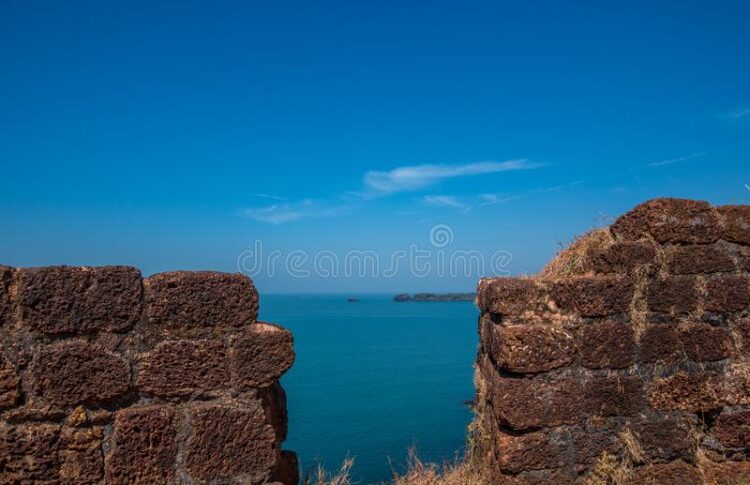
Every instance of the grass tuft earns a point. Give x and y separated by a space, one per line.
573 260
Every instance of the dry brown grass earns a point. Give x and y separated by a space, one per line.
458 472
319 476
614 470
573 260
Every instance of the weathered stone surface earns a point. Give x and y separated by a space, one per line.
273 398
183 368
509 296
699 259
531 403
62 300
531 451
72 373
5 304
621 257
732 429
614 396
28 453
675 295
704 343
742 328
664 440
260 355
81 459
736 223
669 221
9 383
287 469
195 300
729 293
660 343
539 477
590 445
726 473
593 296
144 446
608 345
736 385
245 447
687 392
531 348
673 473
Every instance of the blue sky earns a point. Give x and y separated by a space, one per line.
174 135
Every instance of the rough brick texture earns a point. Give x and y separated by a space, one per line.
67 300
107 378
5 306
186 301
632 343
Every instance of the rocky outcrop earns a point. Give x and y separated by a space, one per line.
106 377
633 343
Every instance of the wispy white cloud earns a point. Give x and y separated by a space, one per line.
381 184
740 113
671 161
270 196
444 201
417 177
293 211
492 199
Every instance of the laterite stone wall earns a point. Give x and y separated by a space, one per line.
106 377
630 349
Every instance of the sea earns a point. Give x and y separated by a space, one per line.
374 378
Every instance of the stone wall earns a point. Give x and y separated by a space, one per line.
106 377
629 351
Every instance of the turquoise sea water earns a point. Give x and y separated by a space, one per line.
373 378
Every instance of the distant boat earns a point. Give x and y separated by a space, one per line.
352 299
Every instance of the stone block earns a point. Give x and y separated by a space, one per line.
730 293
736 220
607 345
144 446
9 383
664 440
230 442
184 368
677 295
260 355
6 309
531 451
699 259
732 429
621 257
704 343
660 343
593 296
669 221
72 373
691 392
673 473
67 300
509 296
532 403
29 453
197 300
614 396
531 348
